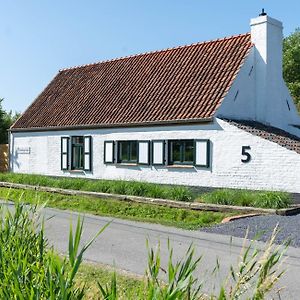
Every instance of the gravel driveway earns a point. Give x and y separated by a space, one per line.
263 226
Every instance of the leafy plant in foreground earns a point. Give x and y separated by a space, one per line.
28 268
252 278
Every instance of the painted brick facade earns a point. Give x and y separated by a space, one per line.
272 167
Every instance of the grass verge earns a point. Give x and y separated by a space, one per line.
260 199
104 186
176 217
129 286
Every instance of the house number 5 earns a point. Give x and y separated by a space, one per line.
246 154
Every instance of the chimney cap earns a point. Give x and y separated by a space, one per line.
263 13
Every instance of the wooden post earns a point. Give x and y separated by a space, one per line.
3 157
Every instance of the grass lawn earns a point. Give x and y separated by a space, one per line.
129 286
176 217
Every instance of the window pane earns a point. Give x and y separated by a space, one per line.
133 151
77 157
176 151
188 155
124 151
77 140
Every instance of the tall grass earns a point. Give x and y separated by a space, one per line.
253 278
121 187
29 269
262 199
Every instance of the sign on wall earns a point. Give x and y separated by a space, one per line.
23 150
246 154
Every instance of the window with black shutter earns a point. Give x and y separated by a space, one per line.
181 152
127 151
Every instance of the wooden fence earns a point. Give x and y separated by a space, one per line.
3 158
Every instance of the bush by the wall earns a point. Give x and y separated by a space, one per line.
262 199
121 187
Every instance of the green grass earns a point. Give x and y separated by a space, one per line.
260 199
104 186
176 217
129 286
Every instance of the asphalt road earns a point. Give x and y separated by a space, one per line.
261 227
123 245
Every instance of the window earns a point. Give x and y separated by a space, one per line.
127 151
77 153
181 152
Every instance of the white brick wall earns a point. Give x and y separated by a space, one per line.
272 167
262 93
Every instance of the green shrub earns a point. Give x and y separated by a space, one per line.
260 199
181 194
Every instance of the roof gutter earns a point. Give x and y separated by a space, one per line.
117 125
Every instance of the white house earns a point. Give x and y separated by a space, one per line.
211 114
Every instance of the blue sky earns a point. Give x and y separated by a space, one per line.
38 38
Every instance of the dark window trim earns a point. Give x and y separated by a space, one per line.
90 153
72 145
138 152
113 154
163 152
181 162
207 165
127 161
64 153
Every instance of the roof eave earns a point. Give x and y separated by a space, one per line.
117 125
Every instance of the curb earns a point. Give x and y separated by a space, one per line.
293 210
234 218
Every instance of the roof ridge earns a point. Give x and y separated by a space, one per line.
154 51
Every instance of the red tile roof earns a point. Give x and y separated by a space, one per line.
178 84
272 134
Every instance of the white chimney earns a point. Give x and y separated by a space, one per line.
267 36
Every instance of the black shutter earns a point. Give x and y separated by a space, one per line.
87 152
65 153
143 153
202 153
158 152
109 152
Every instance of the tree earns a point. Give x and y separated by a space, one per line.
291 64
6 120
